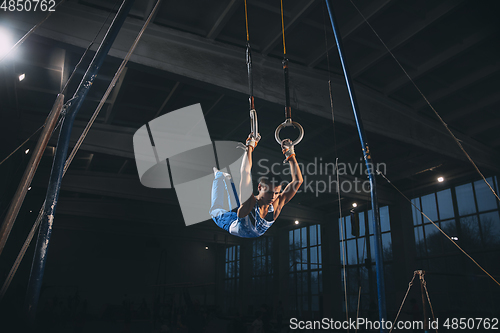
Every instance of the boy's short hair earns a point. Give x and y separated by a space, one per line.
271 180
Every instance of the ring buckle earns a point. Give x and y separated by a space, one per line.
254 125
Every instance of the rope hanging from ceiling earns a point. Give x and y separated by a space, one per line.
254 125
288 109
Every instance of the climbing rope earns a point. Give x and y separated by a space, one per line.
254 125
288 110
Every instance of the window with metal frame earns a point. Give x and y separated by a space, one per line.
305 270
358 257
231 276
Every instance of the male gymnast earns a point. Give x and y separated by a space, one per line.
258 213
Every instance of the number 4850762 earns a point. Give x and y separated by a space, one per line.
471 323
28 5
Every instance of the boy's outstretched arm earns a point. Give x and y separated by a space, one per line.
246 187
297 180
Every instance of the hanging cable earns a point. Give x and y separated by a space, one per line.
359 291
424 307
424 286
403 302
344 259
110 87
73 153
63 91
449 238
288 110
342 241
429 104
22 144
254 124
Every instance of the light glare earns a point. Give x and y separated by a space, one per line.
21 77
354 204
296 222
440 179
5 42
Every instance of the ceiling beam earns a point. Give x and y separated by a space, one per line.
149 8
219 65
436 61
427 166
223 18
373 8
273 8
102 138
169 97
478 129
403 36
468 109
496 142
124 165
298 13
90 159
114 95
455 88
214 105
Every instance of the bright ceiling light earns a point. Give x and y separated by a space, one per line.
296 222
206 247
26 151
354 204
5 42
440 179
21 77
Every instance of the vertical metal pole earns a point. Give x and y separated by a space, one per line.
29 173
297 311
38 265
369 165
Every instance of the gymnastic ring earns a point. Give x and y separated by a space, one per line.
288 123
